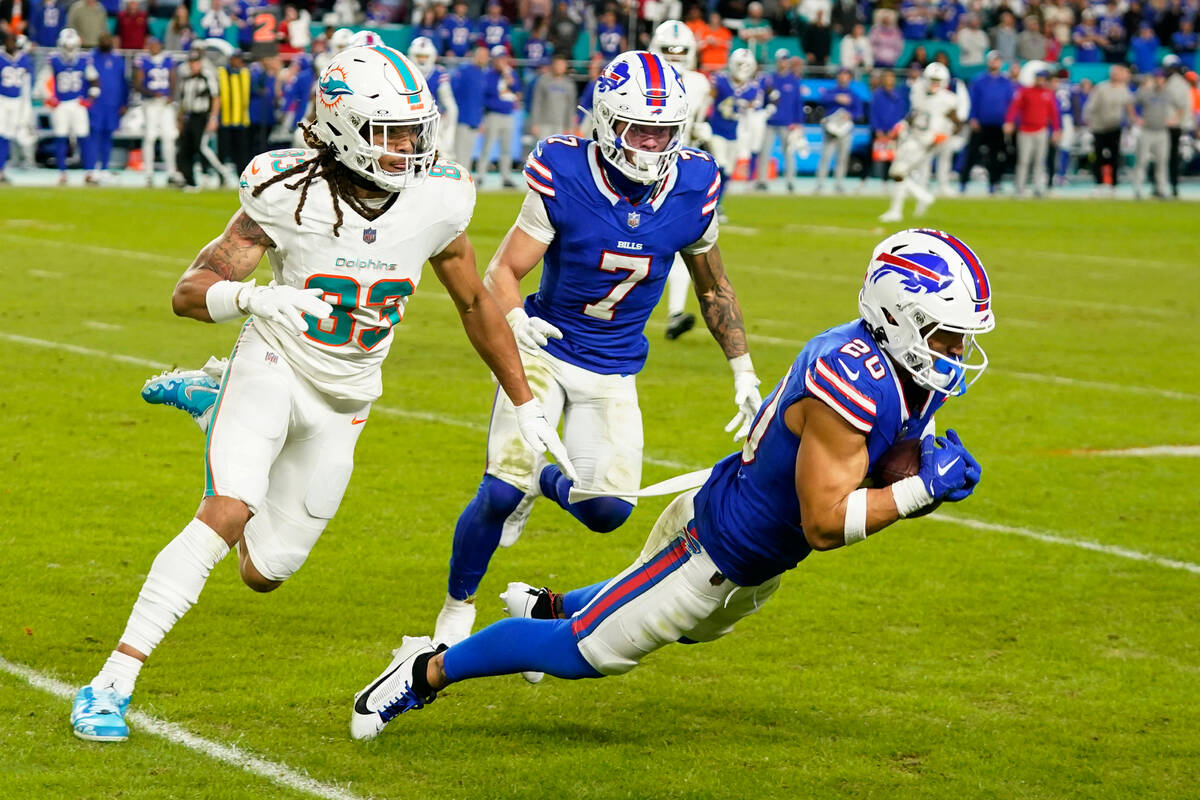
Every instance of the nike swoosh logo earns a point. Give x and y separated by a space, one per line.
360 703
254 168
944 468
187 392
357 421
851 374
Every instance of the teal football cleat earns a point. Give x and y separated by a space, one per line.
191 390
99 715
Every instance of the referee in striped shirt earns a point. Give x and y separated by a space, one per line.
198 107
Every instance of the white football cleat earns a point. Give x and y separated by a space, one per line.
392 693
891 215
519 600
454 621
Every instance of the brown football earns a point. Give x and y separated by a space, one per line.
901 460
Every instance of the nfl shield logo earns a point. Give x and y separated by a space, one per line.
369 235
634 219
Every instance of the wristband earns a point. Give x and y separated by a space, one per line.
516 317
855 527
222 300
910 495
741 364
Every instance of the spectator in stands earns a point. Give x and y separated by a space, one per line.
1031 43
757 32
1112 28
1057 19
1153 144
887 43
991 94
430 29
494 29
1089 42
104 116
1143 50
1004 36
47 22
947 18
889 106
919 57
90 21
264 102
502 93
179 33
132 26
1108 107
843 107
1184 43
810 9
215 22
1033 115
817 40
299 29
1181 115
846 14
785 118
537 47
554 100
610 35
713 43
972 42
457 32
855 50
468 82
584 109
564 29
914 20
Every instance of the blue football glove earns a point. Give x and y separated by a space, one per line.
948 471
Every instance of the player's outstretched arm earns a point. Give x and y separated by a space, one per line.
232 256
831 464
718 301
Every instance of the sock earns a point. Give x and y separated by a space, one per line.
87 153
60 153
120 672
519 645
3 152
679 280
173 585
600 514
477 534
576 600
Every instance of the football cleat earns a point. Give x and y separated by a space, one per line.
98 715
891 215
392 693
193 390
454 621
679 324
520 600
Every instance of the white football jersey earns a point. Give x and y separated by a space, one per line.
930 117
698 90
367 272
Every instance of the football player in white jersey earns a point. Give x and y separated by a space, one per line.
346 226
932 119
423 53
676 44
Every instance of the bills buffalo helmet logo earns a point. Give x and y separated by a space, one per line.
919 273
613 78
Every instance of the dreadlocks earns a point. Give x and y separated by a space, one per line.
327 166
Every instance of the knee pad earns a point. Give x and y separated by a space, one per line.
603 514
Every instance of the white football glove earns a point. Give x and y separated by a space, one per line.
539 434
286 305
531 333
746 396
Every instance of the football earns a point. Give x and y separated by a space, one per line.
901 460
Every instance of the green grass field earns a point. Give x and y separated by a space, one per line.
936 660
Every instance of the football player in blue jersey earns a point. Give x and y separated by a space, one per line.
606 217
16 72
736 93
716 555
72 79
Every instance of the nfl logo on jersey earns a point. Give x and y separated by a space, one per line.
634 219
369 235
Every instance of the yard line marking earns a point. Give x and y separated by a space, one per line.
44 273
100 326
1096 304
83 351
1176 450
97 249
1111 387
799 228
739 231
273 771
1085 544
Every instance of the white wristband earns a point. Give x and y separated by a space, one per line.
910 495
740 364
855 527
222 300
516 317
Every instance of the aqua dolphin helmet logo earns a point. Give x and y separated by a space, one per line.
333 87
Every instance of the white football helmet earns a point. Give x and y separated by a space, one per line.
365 93
921 281
742 65
638 88
423 53
365 39
339 40
69 41
676 43
936 72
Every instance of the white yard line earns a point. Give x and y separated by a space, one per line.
273 771
1173 450
97 249
1084 544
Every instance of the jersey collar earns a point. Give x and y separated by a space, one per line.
604 185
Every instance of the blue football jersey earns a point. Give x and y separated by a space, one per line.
156 73
731 103
70 78
15 73
606 268
748 512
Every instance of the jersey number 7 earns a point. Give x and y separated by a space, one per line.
639 268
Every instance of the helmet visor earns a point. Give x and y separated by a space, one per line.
949 372
401 148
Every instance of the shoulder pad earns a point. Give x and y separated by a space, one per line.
553 157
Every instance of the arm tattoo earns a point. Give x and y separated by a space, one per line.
719 305
227 254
